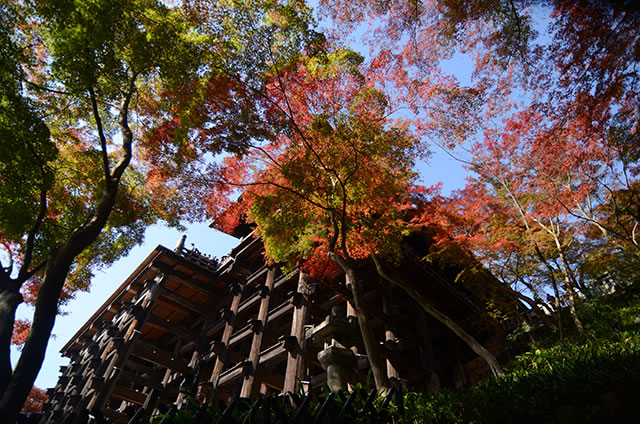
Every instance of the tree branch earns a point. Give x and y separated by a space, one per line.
445 320
103 139
29 245
34 270
127 134
280 186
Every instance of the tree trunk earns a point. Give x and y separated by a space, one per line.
488 357
371 346
32 356
539 312
59 262
46 307
536 297
539 253
554 284
556 301
568 280
9 301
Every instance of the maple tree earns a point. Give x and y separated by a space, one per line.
472 223
318 188
35 401
82 80
335 185
533 219
513 176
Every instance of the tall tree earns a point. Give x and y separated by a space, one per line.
315 189
82 79
473 223
336 184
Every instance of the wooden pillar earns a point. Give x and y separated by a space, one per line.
92 363
457 368
259 329
390 330
230 318
432 382
146 301
195 364
295 358
169 373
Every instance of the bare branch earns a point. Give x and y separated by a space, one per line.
45 88
267 154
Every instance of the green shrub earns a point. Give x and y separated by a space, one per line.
589 378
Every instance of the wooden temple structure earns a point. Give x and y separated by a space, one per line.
186 324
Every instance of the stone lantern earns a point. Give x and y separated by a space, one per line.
337 333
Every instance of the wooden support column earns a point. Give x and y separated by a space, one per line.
230 318
426 354
259 329
172 368
457 368
195 364
390 330
295 358
146 301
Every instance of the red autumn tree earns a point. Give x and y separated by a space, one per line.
36 399
336 183
473 222
577 57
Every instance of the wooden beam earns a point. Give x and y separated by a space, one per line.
272 352
235 372
280 310
256 275
183 301
241 334
250 302
129 395
184 279
176 329
152 354
140 379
